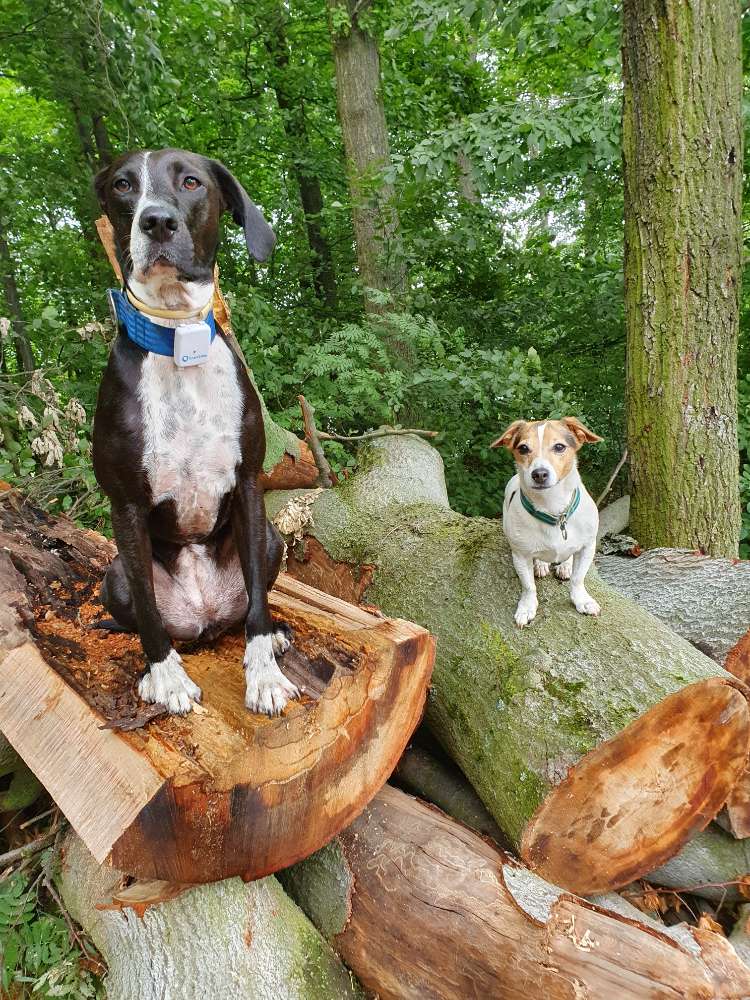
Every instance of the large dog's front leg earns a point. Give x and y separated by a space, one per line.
164 680
267 689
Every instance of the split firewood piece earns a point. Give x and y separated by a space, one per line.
220 791
421 908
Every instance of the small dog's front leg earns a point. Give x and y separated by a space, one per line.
583 601
527 605
267 689
165 681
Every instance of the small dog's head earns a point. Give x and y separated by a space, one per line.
545 450
165 206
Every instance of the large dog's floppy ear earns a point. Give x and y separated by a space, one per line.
509 436
100 187
259 236
581 433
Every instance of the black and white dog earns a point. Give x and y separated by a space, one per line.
178 441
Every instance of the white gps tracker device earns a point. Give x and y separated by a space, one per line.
191 344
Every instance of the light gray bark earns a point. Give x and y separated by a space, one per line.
228 940
703 599
704 866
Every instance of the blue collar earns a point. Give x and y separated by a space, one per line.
142 331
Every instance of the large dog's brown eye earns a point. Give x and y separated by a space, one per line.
559 447
191 184
122 185
523 449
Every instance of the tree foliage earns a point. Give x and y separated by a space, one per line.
504 130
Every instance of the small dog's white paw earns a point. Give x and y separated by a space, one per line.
541 568
280 641
526 611
585 603
563 570
267 690
166 683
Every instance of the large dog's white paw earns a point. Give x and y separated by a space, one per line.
281 640
268 690
166 683
563 570
526 610
585 603
541 568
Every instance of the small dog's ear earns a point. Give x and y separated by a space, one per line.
582 434
100 187
259 236
509 436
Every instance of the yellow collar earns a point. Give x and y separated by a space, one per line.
169 313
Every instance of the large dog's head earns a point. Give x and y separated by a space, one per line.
165 206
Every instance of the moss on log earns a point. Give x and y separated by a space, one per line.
518 708
228 939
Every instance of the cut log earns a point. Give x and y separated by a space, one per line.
227 940
443 784
420 908
614 518
518 709
220 791
706 600
712 865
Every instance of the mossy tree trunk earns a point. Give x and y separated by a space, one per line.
367 148
682 152
517 708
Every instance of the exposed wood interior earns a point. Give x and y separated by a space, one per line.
222 790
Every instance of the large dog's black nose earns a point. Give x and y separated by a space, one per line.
158 223
540 476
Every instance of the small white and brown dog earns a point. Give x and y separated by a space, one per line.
548 515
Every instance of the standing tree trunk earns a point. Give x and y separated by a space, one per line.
682 150
291 105
363 124
24 354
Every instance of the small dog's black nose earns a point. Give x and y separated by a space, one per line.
158 223
540 476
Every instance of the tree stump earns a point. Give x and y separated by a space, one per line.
221 791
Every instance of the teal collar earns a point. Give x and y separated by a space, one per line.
561 520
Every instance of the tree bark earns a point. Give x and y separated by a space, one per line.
291 104
422 909
516 709
709 866
24 353
229 939
682 151
367 148
706 600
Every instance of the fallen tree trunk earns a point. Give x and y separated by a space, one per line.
229 939
705 600
518 709
712 865
422 909
443 784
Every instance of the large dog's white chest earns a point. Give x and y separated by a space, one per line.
191 427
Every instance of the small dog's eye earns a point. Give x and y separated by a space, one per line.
191 184
524 449
559 447
122 185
